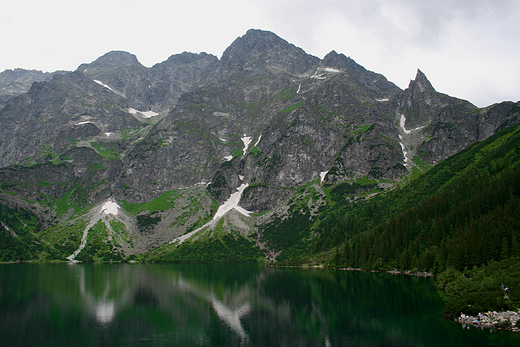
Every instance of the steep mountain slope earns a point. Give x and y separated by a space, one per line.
198 153
53 116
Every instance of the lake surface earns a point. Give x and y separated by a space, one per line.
223 305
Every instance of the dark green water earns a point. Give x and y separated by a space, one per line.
222 305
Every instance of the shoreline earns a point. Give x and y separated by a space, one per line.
392 272
493 320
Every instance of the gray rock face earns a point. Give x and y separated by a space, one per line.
376 85
266 114
443 124
263 52
420 103
18 81
150 89
54 115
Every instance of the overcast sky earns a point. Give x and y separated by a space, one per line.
467 48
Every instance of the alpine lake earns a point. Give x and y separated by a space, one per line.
60 304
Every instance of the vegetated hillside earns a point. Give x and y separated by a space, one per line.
462 213
17 230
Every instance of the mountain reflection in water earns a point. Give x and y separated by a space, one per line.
222 305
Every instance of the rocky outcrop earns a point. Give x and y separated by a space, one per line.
507 320
433 126
421 103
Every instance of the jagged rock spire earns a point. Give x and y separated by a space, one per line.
420 83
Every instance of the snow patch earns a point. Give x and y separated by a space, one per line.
86 122
230 204
149 114
383 100
322 175
402 122
316 76
246 140
108 134
145 114
110 207
228 157
241 177
405 154
104 85
256 143
299 87
330 69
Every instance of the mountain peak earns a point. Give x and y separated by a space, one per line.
421 82
261 49
188 57
335 60
114 59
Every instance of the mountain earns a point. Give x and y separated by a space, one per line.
204 159
18 81
150 89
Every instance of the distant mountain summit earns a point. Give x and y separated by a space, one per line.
18 81
113 60
262 51
150 89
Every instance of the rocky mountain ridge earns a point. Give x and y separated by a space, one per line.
18 81
171 143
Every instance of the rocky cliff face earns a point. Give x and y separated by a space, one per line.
438 125
54 116
173 142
